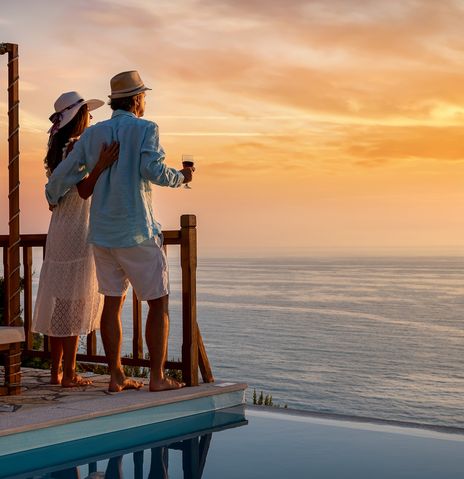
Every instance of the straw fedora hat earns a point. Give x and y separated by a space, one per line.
126 84
66 107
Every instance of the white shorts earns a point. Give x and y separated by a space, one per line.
145 266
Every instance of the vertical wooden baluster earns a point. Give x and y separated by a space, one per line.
165 249
46 344
46 339
6 295
137 339
91 343
27 266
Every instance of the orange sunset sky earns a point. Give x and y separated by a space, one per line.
331 126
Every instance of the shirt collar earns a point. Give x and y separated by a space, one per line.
122 112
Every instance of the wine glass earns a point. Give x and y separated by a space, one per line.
187 162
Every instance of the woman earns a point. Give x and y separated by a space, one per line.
68 303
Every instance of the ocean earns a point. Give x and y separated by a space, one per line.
367 337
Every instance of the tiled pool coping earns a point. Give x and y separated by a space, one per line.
67 414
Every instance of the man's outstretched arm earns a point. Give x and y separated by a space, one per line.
152 165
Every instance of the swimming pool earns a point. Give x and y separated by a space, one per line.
250 443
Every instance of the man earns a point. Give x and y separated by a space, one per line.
127 240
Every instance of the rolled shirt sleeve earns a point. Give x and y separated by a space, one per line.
68 173
152 167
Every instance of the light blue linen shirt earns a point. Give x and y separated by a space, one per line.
121 212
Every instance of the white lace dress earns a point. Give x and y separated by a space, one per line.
68 302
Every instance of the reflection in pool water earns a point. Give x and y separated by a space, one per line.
274 444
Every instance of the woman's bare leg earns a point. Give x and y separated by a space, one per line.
70 378
56 345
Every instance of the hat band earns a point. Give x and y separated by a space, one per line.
128 90
72 106
58 116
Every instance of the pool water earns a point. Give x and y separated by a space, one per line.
250 443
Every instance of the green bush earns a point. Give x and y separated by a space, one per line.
264 400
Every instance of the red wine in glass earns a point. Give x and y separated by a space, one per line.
187 162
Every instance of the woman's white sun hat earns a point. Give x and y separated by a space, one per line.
66 107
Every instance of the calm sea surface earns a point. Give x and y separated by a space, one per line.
373 337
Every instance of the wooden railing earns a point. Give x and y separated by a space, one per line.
193 356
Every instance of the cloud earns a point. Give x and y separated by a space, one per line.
115 15
365 59
375 146
319 72
234 134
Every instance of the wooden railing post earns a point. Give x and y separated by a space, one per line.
188 256
12 272
13 276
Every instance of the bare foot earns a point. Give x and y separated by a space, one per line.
127 383
165 384
75 382
56 377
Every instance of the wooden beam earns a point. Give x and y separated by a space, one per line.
205 367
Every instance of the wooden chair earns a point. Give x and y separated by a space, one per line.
11 338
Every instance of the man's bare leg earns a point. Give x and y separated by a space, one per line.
156 335
111 333
56 349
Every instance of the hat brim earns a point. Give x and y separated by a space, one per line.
128 94
93 104
68 115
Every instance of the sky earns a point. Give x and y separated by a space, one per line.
317 127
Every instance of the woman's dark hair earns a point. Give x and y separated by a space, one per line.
125 104
72 129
